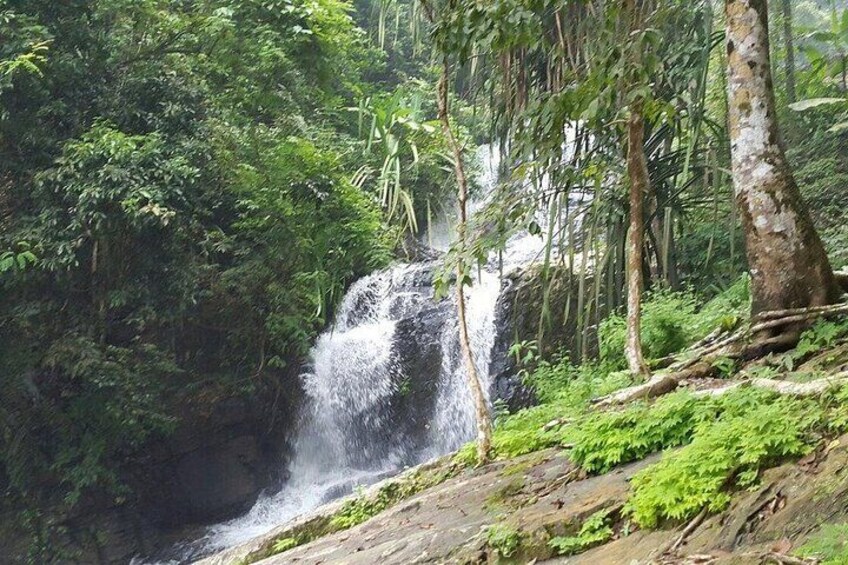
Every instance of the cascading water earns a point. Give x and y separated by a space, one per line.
386 389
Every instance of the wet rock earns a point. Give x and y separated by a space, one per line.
447 523
418 352
519 314
224 452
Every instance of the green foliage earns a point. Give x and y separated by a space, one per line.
821 335
735 438
596 530
179 218
17 260
671 321
363 507
568 392
285 544
829 544
605 440
408 149
504 540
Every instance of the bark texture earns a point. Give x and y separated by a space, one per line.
788 264
484 421
637 171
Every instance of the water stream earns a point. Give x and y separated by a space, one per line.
385 389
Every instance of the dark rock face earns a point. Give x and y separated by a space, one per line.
224 452
519 311
418 353
219 460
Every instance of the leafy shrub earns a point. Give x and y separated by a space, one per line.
505 541
666 328
607 439
736 437
596 530
670 322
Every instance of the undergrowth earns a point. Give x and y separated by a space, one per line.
734 437
671 321
830 544
596 530
504 540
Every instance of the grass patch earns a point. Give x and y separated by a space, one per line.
503 496
829 543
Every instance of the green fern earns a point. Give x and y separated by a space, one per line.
596 530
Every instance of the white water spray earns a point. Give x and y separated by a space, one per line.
350 433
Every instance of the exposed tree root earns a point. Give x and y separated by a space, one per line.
788 388
700 358
657 385
687 531
812 388
783 559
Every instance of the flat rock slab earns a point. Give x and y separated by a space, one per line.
537 493
543 495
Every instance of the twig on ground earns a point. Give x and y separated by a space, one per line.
688 531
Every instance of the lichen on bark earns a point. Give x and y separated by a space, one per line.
788 264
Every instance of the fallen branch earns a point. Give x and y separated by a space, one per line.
783 559
688 531
811 388
657 385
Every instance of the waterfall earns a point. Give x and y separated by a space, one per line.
386 388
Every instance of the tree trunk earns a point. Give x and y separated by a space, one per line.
789 43
637 171
484 421
788 264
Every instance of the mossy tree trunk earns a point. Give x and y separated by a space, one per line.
787 261
637 172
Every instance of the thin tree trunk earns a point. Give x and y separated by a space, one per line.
637 170
788 264
484 421
789 43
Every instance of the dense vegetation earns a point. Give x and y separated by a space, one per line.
188 187
186 190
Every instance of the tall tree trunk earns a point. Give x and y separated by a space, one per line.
788 264
789 43
484 421
637 171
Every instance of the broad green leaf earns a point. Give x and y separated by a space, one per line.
802 105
